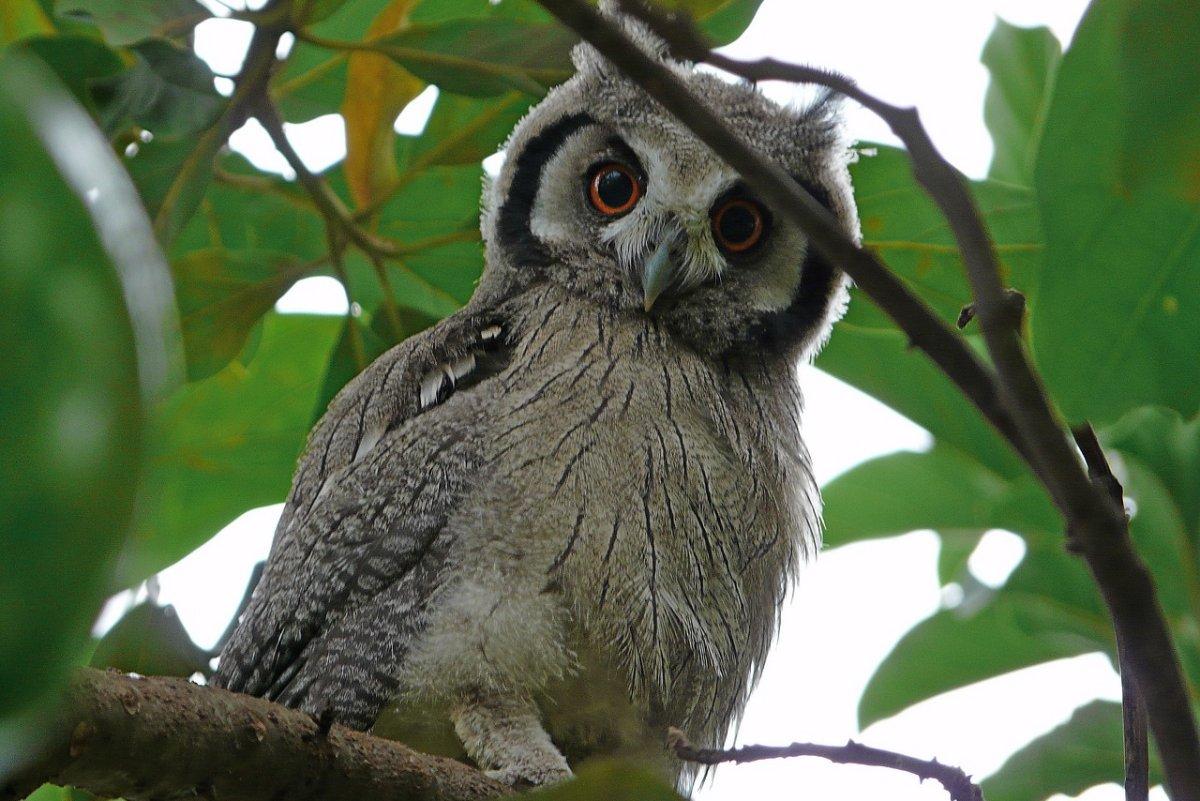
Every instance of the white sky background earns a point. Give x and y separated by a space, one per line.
852 604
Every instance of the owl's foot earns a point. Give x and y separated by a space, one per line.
532 773
505 736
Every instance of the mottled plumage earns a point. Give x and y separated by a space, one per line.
565 517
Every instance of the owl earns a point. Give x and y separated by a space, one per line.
565 518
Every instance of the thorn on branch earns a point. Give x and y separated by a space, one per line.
1014 308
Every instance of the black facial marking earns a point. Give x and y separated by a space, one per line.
513 220
781 329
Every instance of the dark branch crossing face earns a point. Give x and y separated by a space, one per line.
621 204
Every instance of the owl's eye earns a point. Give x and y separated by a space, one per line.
613 188
738 225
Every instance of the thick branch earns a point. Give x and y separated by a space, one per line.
144 738
1020 409
957 783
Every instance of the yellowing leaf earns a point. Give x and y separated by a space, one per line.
21 18
376 91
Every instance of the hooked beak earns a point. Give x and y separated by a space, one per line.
659 270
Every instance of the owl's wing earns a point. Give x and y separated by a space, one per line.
358 547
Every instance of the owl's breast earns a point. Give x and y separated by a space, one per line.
654 504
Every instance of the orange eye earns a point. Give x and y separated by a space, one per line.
738 225
614 189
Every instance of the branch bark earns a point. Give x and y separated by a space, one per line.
1012 398
957 783
151 738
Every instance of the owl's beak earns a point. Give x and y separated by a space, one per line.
659 271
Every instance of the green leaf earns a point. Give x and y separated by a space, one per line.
357 346
172 177
954 550
168 90
1022 63
70 392
229 443
483 57
466 130
1047 610
78 61
251 210
1085 751
1170 447
1119 190
150 640
904 226
222 295
911 385
609 780
124 22
306 12
721 20
20 19
907 491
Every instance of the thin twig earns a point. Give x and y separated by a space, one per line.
1013 399
957 783
325 199
1133 708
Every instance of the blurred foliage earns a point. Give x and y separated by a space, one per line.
1093 200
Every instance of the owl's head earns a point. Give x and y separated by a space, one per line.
607 195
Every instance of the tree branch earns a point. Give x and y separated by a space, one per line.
957 783
150 738
1019 409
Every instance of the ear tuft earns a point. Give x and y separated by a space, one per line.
588 59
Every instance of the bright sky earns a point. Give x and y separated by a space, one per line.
852 604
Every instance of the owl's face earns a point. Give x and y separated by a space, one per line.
604 193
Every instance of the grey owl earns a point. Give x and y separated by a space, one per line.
566 517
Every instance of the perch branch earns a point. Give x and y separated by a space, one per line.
149 738
957 783
1019 408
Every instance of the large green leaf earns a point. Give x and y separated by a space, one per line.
172 177
168 90
465 130
125 22
222 296
911 385
1021 63
722 20
483 57
83 343
906 491
1117 320
1030 621
904 226
229 443
1085 751
78 61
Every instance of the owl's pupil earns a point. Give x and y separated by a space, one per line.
737 224
615 188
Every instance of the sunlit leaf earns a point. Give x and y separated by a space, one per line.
125 22
722 20
229 443
1022 63
1085 751
1117 321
